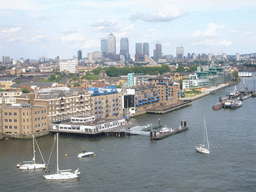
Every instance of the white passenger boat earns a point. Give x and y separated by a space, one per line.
165 130
62 174
205 147
32 164
85 154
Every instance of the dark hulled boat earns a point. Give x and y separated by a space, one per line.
218 106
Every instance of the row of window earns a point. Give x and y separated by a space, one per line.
10 114
38 125
38 112
10 127
24 120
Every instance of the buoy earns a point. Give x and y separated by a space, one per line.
115 145
102 149
66 154
82 147
94 155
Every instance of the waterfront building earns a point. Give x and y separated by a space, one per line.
22 119
61 102
237 56
210 77
68 65
124 48
88 125
104 47
105 102
145 48
111 44
79 55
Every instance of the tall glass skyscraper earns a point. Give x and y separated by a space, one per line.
111 44
104 47
124 48
138 48
79 55
145 48
180 52
158 52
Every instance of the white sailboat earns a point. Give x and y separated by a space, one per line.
62 174
32 164
204 148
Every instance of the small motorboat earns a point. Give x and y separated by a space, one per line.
165 130
86 154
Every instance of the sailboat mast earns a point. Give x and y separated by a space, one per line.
57 153
208 146
34 151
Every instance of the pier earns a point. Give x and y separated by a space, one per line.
157 136
166 109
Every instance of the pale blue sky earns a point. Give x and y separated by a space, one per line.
36 28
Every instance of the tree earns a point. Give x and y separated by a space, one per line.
180 69
97 71
235 75
25 90
112 72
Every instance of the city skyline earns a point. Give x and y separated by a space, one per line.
32 29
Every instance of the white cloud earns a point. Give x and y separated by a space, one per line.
212 42
16 38
20 4
106 25
211 31
168 12
11 30
77 36
37 38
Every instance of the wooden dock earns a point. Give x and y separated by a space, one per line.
157 136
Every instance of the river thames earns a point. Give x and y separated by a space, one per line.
136 163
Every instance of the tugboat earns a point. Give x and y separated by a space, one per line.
218 106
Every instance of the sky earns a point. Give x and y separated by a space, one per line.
51 28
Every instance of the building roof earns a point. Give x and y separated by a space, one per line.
7 78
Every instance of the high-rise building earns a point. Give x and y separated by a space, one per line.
138 48
145 48
68 65
238 57
158 52
124 48
180 52
104 47
111 44
79 55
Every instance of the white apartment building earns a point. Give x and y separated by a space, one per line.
68 65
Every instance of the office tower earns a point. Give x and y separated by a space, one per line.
158 52
111 44
145 48
124 48
104 47
238 57
79 55
180 52
138 48
209 57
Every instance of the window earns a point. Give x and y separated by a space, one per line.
27 127
15 127
38 112
36 125
35 119
15 114
10 120
23 127
5 113
23 114
42 111
27 114
42 124
27 120
6 120
23 120
6 127
35 112
10 127
15 120
10 114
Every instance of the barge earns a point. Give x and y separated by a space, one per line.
162 134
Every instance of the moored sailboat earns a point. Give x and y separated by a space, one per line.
62 174
32 164
205 147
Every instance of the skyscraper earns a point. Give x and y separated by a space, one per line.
124 48
145 48
158 52
180 52
79 55
104 47
138 48
111 44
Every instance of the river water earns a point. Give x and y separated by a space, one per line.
137 164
